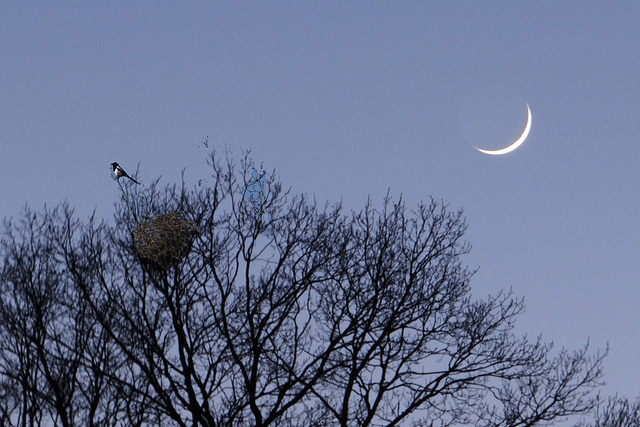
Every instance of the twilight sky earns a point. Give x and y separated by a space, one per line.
348 99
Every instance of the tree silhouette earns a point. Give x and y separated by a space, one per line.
615 412
198 315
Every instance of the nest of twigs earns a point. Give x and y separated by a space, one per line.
163 238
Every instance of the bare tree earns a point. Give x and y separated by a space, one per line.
196 308
51 344
615 412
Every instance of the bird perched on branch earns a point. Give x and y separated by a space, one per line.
119 172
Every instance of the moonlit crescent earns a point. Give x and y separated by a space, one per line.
515 144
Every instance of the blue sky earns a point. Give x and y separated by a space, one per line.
348 99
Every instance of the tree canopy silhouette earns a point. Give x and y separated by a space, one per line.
204 311
615 411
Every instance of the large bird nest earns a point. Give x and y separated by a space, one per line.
163 238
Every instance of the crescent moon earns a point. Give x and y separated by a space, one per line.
515 144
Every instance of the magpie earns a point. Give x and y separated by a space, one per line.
119 172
